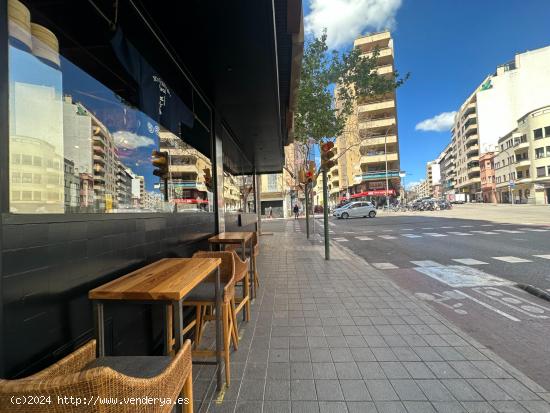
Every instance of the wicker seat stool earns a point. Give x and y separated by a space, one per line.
94 381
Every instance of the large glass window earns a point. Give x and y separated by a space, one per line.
76 146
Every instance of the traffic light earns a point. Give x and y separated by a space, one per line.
327 154
160 162
310 174
207 178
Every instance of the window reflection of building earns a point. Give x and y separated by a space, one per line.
186 186
231 192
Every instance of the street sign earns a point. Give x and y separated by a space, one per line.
511 184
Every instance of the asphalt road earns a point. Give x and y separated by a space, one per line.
467 270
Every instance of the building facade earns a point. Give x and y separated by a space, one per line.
371 165
522 167
487 175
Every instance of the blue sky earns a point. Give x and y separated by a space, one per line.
448 47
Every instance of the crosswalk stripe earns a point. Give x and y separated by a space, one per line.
547 257
426 263
509 231
447 227
387 236
428 228
467 226
485 232
383 265
469 261
340 239
364 238
459 233
487 225
411 235
535 229
434 234
510 259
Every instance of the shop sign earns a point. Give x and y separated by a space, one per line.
377 185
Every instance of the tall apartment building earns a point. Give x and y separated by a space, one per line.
363 169
487 173
492 111
447 171
522 167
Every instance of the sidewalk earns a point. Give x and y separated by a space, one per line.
339 336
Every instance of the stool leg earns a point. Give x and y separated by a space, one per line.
234 329
226 340
188 390
198 326
247 294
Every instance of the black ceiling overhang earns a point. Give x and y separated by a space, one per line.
239 54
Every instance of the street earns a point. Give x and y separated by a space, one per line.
466 269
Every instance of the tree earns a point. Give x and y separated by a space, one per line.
349 75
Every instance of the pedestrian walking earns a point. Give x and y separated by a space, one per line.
270 212
296 211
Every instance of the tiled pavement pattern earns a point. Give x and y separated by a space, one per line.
339 336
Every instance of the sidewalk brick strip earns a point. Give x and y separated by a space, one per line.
339 336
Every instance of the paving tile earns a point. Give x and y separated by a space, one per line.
300 370
407 390
355 390
328 390
442 370
304 407
489 389
371 370
299 354
247 406
418 370
277 390
279 371
361 407
278 355
419 407
478 407
394 370
509 407
252 390
225 407
435 391
341 354
390 407
381 390
276 407
324 371
320 355
536 406
515 389
302 390
347 370
449 407
332 407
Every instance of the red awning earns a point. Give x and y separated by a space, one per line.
376 192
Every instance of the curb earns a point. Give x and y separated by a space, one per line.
534 291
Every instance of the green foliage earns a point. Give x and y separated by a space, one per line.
349 74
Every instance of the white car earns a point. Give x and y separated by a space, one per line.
355 209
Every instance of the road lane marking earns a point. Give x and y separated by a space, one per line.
411 235
364 238
509 231
485 232
428 228
514 301
534 229
448 227
546 257
510 259
340 239
426 263
459 233
490 307
469 261
387 236
462 276
487 225
384 265
407 229
434 234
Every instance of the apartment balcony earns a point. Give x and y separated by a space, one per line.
385 55
377 175
521 145
378 123
384 70
186 168
472 140
99 159
99 178
377 158
371 41
472 150
99 169
522 162
379 106
378 140
335 189
470 130
469 109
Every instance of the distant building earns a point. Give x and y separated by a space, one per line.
487 175
522 167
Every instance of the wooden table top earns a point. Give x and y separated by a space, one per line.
230 237
166 279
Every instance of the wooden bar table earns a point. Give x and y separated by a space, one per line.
166 281
241 238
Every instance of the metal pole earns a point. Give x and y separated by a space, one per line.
325 214
387 184
307 209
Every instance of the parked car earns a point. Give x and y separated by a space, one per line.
355 209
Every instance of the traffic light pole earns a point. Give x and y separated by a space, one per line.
325 214
307 209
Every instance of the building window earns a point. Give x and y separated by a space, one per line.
539 153
547 131
541 171
537 133
90 148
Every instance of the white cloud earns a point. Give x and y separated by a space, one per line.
411 184
130 140
439 123
347 19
